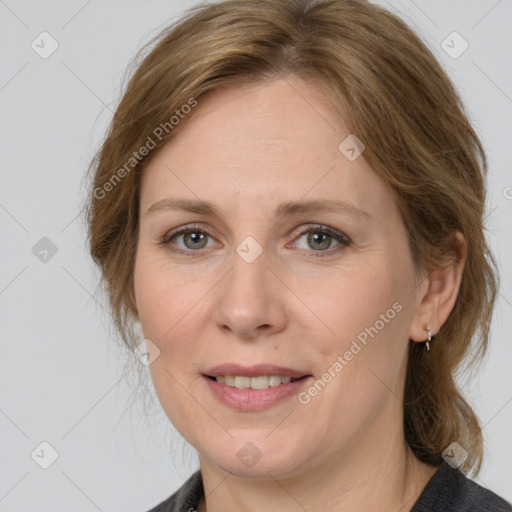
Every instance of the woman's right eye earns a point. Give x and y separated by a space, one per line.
192 239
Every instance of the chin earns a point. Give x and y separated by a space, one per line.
254 456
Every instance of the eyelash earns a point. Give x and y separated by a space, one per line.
316 228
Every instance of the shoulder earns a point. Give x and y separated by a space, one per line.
451 491
186 498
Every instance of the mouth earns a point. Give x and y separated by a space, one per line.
254 388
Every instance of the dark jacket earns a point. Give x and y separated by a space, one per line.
449 490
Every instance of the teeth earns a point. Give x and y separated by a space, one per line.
261 382
274 380
242 382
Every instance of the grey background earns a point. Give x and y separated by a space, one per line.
62 378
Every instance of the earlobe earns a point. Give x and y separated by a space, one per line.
422 331
437 302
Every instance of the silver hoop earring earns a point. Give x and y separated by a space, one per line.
427 343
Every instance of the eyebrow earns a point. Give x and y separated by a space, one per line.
288 209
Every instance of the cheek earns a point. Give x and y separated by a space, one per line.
161 292
367 311
166 302
349 301
175 313
170 312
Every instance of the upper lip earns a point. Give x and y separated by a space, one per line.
254 371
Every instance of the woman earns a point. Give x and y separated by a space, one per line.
290 203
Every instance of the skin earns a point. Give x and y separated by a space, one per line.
247 149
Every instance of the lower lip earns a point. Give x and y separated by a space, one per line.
254 399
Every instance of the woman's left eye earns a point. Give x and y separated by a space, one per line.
321 238
318 238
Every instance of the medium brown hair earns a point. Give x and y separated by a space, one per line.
393 95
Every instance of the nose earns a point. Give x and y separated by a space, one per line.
250 301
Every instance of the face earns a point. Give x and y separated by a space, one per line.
273 279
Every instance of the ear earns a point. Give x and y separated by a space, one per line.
132 304
137 329
438 298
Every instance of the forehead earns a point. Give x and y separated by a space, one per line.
276 140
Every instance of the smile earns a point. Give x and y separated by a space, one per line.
238 392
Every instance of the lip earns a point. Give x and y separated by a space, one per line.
254 371
254 400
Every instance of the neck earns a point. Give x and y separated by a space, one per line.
383 474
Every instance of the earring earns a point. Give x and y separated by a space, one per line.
427 343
